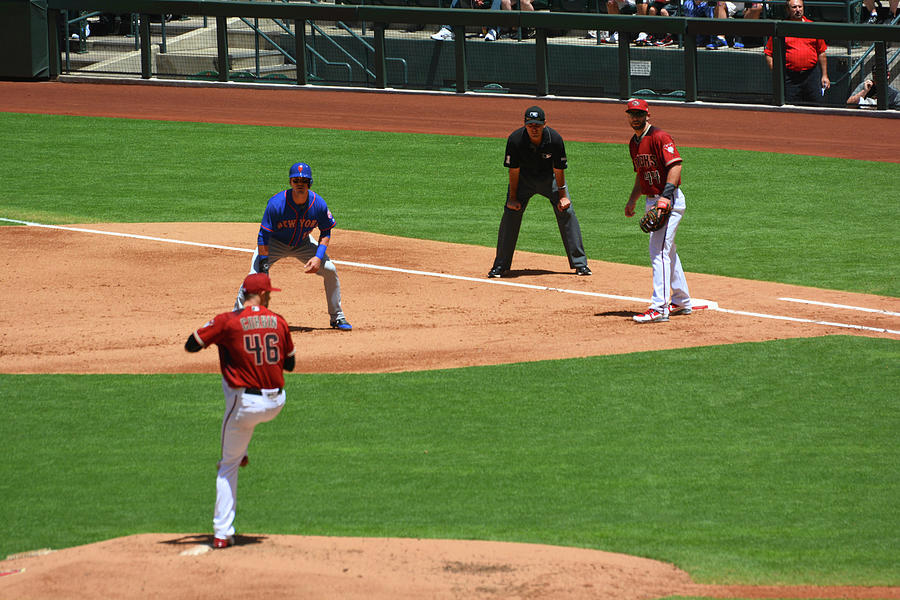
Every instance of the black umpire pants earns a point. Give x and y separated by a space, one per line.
511 222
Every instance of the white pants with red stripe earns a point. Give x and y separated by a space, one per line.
668 275
243 412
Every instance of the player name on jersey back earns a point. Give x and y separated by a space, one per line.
259 322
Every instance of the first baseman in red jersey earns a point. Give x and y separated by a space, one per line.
657 166
255 346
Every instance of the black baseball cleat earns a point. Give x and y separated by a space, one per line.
497 272
583 271
675 309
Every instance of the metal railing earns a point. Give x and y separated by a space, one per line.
458 19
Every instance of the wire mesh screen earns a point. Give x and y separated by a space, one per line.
582 65
97 42
425 56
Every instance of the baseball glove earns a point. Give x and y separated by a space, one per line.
262 264
656 217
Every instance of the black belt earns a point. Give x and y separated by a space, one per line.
257 391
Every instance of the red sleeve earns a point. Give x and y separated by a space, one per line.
768 50
666 150
213 330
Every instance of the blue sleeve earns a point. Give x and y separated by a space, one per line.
324 219
266 225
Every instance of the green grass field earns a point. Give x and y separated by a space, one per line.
759 463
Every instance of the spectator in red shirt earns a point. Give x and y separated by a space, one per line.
806 66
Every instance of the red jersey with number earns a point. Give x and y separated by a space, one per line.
653 154
800 54
253 343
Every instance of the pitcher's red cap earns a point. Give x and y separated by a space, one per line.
637 104
258 282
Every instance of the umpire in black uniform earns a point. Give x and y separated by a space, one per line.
536 159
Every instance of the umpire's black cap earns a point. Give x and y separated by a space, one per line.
535 114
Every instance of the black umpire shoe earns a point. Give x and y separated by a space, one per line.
583 271
497 272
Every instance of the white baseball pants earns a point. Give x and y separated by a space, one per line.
243 412
668 274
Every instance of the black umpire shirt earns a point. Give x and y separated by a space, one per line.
537 161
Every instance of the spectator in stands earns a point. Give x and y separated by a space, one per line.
516 4
806 66
446 34
664 8
734 10
526 5
873 11
621 7
699 9
866 95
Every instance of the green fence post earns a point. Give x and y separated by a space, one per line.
146 55
624 65
300 50
778 69
459 45
380 67
690 67
541 60
880 73
53 17
222 47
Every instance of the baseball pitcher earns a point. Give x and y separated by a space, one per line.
255 346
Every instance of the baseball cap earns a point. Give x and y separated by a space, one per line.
535 114
637 104
258 282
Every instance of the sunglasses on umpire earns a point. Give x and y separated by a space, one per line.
300 180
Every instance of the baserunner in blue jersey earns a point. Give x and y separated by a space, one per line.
285 230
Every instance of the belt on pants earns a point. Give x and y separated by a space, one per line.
259 392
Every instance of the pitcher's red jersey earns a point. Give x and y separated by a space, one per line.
253 343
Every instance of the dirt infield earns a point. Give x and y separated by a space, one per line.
427 312
403 320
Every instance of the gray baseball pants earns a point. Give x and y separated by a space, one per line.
303 253
511 222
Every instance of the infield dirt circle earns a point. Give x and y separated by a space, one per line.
407 318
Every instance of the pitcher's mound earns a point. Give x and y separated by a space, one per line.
277 566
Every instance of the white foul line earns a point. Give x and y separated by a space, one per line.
711 304
495 282
127 235
871 310
814 322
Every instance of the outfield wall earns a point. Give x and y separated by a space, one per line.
391 47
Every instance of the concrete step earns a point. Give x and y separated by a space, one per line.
245 37
110 43
207 59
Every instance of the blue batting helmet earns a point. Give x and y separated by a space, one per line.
301 170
